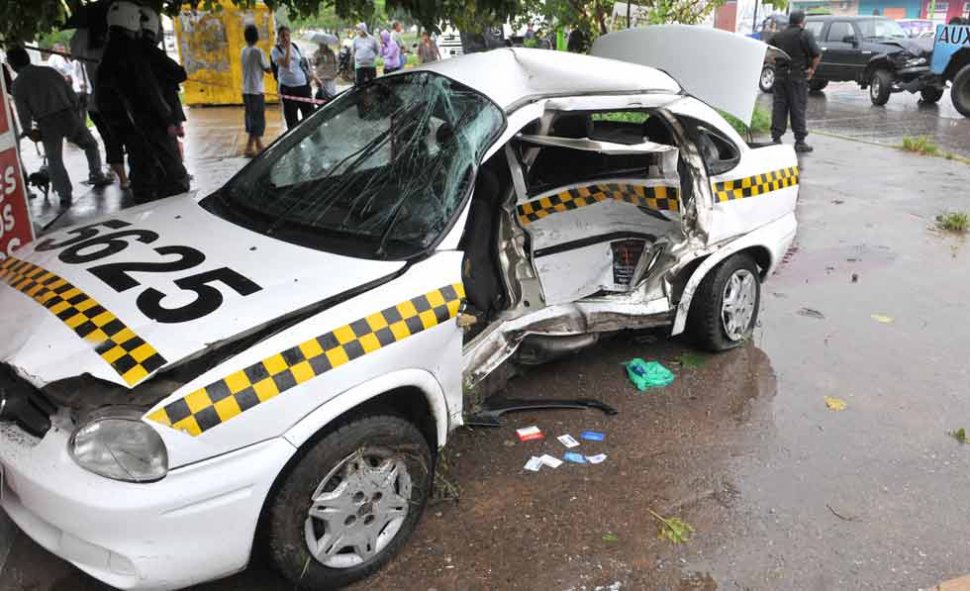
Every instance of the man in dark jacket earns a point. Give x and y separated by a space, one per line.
791 79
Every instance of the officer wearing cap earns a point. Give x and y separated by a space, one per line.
791 79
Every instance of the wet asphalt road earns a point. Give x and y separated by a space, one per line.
844 109
782 492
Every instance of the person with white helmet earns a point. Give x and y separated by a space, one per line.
169 73
131 97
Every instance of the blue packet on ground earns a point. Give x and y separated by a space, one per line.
576 458
592 436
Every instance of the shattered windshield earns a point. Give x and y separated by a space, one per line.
881 29
377 173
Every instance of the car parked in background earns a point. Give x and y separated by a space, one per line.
917 27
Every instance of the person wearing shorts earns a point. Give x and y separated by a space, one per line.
254 65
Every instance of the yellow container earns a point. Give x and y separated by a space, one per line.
210 46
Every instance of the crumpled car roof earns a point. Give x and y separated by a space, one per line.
513 75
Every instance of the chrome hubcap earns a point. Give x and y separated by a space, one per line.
767 77
737 303
358 508
876 87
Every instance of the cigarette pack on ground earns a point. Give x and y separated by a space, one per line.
529 433
533 464
568 440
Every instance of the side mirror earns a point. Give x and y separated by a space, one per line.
851 40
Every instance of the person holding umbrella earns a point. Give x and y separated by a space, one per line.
325 66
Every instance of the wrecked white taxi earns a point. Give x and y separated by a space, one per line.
273 367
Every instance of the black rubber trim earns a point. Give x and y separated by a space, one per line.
575 244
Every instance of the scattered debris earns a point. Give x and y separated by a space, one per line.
838 201
490 412
960 435
534 464
597 459
574 457
529 433
839 515
811 313
882 318
550 461
691 360
648 374
592 436
673 529
568 440
855 278
610 537
835 403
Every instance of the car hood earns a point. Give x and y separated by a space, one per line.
726 78
192 261
916 47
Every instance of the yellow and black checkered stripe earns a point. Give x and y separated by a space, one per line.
659 198
758 184
125 351
224 399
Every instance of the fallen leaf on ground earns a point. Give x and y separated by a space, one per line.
882 318
611 537
960 435
835 403
691 360
673 529
811 313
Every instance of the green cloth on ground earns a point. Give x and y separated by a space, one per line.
648 374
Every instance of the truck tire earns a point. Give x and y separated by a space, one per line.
817 85
931 94
348 503
880 87
724 310
767 80
960 91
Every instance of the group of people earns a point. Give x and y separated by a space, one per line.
296 72
126 84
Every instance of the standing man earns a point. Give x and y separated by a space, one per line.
44 97
397 34
293 74
254 65
365 51
791 79
428 49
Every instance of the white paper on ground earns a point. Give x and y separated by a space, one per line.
568 440
533 464
551 461
597 459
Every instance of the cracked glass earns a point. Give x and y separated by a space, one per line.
379 173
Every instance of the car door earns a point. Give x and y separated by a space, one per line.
839 48
602 199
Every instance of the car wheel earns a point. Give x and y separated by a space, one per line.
817 85
880 87
767 81
725 306
931 94
960 91
349 503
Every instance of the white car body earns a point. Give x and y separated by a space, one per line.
255 383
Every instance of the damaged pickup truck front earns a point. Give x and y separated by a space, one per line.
273 367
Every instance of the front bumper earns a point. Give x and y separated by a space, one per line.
194 525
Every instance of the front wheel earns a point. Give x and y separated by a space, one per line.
880 87
767 81
960 91
931 94
349 503
725 307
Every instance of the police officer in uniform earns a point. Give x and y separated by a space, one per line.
791 79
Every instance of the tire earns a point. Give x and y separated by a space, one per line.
817 85
766 82
960 91
379 514
880 87
931 94
707 322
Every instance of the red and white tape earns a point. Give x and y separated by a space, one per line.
302 99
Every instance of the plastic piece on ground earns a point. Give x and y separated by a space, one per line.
533 464
593 436
648 374
568 440
835 403
529 433
576 458
882 318
597 459
550 461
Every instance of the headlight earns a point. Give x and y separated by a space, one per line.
118 445
915 61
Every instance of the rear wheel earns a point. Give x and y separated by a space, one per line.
349 503
767 80
817 85
960 91
725 307
931 94
880 87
